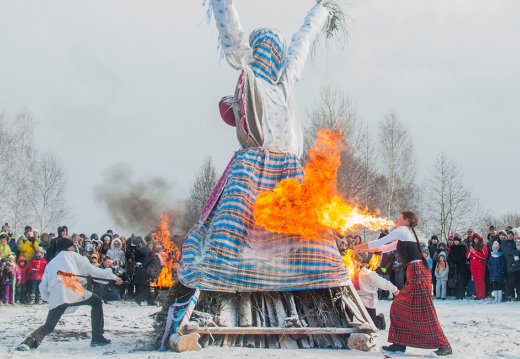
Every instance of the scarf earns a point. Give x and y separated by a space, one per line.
441 266
268 54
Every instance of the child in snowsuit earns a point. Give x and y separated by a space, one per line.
442 271
35 272
497 269
22 281
7 278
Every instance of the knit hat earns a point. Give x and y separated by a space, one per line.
434 237
3 235
442 254
492 228
63 244
22 259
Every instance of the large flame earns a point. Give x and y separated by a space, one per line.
170 254
314 205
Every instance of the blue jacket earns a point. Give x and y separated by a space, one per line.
497 267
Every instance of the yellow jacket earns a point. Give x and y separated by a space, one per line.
26 248
5 251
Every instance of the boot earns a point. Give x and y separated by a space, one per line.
40 301
99 341
500 295
382 321
394 348
443 352
495 295
27 344
32 299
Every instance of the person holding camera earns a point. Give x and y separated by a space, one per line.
27 244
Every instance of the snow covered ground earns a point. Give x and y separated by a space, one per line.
475 329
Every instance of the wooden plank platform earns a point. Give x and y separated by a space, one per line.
274 331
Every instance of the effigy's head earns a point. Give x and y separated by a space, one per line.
268 54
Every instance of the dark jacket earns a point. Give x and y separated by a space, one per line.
497 267
457 259
511 255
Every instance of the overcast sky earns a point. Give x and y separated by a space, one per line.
138 82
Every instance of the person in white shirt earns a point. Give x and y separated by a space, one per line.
64 296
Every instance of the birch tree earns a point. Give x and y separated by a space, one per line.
398 165
450 204
48 184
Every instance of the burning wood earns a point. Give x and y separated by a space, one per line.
170 254
311 207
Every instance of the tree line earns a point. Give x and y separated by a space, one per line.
32 182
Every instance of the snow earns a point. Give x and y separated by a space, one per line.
476 329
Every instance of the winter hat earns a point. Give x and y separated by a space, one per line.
22 259
492 228
63 244
425 250
442 254
434 237
27 229
39 250
496 245
89 248
3 235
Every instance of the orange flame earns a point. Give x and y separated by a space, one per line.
374 262
349 259
73 283
353 265
311 207
170 253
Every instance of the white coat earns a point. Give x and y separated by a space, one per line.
52 288
369 283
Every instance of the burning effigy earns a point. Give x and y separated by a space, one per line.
261 268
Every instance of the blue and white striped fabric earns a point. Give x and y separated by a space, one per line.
229 252
269 54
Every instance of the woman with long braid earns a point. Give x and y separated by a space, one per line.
413 317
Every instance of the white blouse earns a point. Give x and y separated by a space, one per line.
280 123
389 242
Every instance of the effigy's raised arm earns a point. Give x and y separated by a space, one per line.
302 41
232 36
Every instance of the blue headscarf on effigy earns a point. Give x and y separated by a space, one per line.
269 52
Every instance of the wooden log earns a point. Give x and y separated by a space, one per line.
360 341
228 312
185 343
245 314
285 342
274 331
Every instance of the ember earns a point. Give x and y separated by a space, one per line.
170 255
314 205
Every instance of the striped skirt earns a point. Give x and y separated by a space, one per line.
227 251
413 319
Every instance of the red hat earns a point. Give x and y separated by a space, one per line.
226 110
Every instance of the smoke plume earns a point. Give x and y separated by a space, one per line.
134 204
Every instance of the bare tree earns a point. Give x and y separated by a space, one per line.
16 171
48 184
450 204
201 189
397 158
335 111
